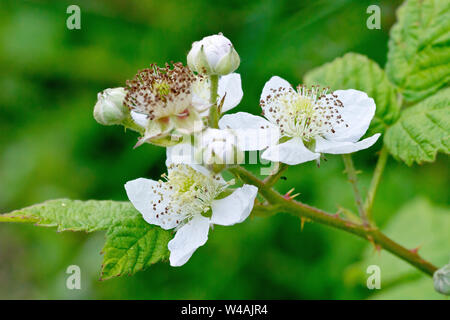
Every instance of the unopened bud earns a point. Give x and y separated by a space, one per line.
441 280
109 109
218 150
213 55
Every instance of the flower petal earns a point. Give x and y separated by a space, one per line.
201 90
291 152
357 113
253 132
184 153
188 124
230 86
140 118
188 238
273 84
235 208
343 147
142 196
219 146
181 153
242 120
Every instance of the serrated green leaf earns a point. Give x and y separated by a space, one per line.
418 224
73 215
422 131
133 245
419 52
355 71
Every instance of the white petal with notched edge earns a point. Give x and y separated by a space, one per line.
235 208
291 152
343 147
140 192
357 114
188 238
230 87
254 133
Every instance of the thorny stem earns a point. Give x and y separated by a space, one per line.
298 209
381 163
351 173
213 110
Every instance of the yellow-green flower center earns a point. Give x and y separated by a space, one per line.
160 92
305 113
193 192
161 89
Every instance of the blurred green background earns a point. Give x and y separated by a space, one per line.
51 147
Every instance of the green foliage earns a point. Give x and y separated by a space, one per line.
131 243
422 130
73 215
50 146
419 53
355 71
414 289
417 225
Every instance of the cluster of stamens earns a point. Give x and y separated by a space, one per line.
160 92
188 193
305 112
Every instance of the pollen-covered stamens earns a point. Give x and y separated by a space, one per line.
305 112
184 194
161 92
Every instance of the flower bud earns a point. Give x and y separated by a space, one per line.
441 280
217 149
213 55
109 109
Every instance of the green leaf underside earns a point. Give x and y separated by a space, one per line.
355 71
131 243
419 52
422 131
